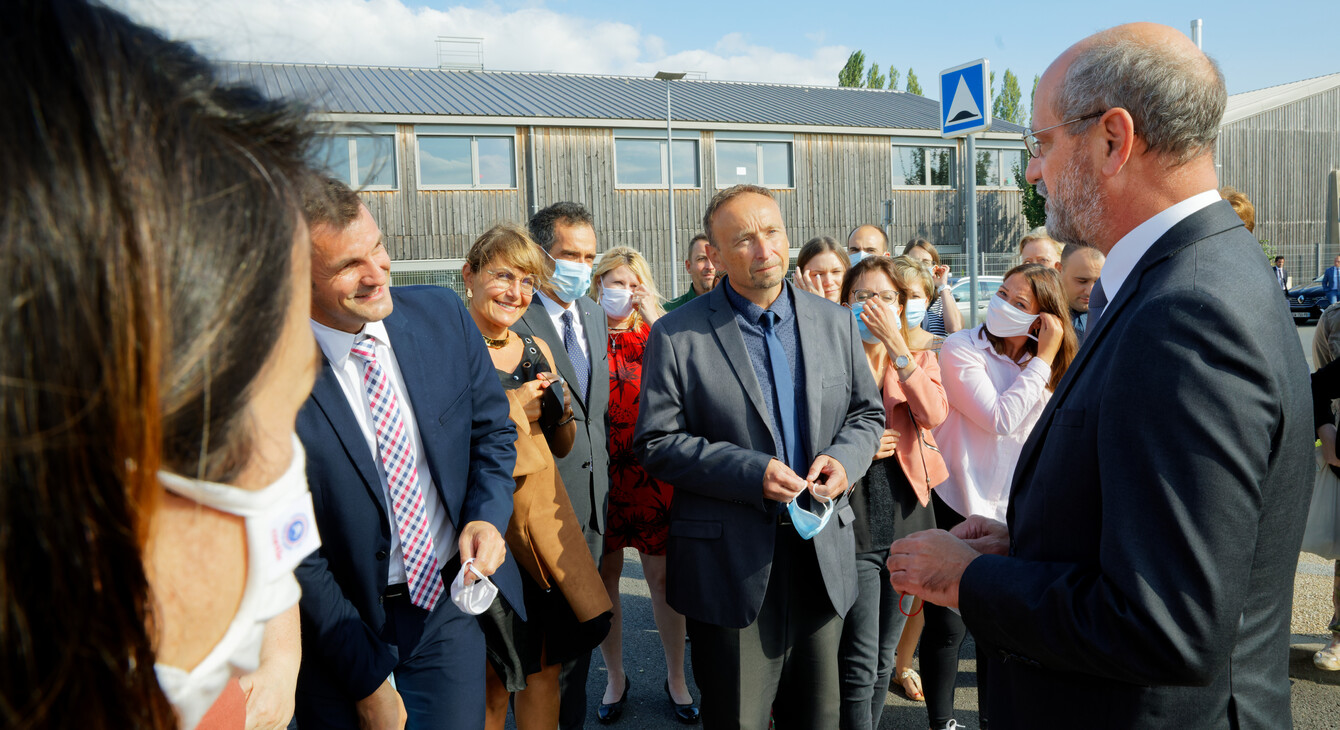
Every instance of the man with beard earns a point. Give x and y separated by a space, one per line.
758 405
1146 574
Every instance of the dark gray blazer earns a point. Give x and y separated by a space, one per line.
703 427
585 470
1158 506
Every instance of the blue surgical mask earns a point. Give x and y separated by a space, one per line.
807 523
856 257
916 312
570 279
866 337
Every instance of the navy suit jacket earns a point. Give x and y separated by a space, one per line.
469 444
1158 506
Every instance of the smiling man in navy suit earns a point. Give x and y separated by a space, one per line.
409 456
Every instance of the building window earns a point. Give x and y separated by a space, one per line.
640 162
465 161
922 166
364 161
1000 168
759 163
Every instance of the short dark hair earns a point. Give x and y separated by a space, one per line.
568 213
882 234
688 255
1073 248
724 196
331 203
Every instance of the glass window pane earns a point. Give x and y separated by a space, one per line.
1012 166
496 163
686 163
909 166
444 160
331 154
737 162
777 164
942 166
376 161
638 162
987 171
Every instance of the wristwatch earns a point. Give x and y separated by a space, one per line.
902 361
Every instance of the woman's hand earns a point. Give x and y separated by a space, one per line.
642 303
941 276
1050 332
1327 435
530 394
806 281
880 320
888 444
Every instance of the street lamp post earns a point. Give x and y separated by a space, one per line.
667 77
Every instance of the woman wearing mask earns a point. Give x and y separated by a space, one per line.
943 318
820 266
915 278
154 374
566 607
639 507
999 377
892 500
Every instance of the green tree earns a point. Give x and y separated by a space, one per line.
853 74
1034 205
913 86
873 78
893 78
1033 96
1008 104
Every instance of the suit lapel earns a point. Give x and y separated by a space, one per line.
732 343
537 320
596 330
329 397
810 355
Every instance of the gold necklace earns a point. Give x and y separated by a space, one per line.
497 344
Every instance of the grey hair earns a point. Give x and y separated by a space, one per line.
1175 104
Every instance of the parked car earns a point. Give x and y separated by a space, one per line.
986 288
1307 302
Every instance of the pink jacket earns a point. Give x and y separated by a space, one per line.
921 398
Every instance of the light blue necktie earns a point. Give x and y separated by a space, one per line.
780 368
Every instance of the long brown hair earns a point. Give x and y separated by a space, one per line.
1045 282
147 222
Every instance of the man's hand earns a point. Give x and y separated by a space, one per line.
827 477
382 710
780 484
480 540
983 534
929 564
888 444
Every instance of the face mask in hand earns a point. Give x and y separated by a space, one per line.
281 531
475 598
570 279
916 312
1006 320
617 303
807 523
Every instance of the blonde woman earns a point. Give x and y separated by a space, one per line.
639 506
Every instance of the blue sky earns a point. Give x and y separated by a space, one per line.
1257 44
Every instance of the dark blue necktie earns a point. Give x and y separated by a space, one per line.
579 364
780 368
1097 300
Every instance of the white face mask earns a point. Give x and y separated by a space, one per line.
1006 320
281 531
617 303
475 598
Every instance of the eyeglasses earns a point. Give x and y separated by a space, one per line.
1031 135
507 279
862 295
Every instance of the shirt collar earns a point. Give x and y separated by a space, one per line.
555 309
781 306
336 344
1123 257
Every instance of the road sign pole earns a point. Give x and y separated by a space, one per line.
970 189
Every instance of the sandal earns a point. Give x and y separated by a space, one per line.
910 683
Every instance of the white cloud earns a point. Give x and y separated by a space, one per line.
391 33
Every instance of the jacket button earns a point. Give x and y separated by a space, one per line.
381 555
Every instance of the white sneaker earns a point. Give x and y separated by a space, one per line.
1328 659
953 725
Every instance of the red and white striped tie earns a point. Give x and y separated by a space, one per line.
402 477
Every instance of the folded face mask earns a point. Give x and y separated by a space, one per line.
807 523
475 598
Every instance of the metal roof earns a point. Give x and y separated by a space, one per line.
379 90
1251 103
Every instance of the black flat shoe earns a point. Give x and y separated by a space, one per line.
611 712
686 714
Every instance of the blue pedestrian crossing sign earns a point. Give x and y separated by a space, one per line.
965 99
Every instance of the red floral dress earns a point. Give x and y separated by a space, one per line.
639 508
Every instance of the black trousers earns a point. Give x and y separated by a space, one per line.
785 662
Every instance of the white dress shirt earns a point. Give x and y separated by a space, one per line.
1126 253
349 371
993 405
555 311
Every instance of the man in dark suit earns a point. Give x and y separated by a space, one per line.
1081 266
1146 576
574 326
409 455
754 396
1282 274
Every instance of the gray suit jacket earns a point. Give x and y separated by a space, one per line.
585 470
703 427
1158 506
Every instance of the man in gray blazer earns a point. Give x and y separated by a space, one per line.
758 406
574 326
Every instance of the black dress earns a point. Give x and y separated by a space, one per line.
886 507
